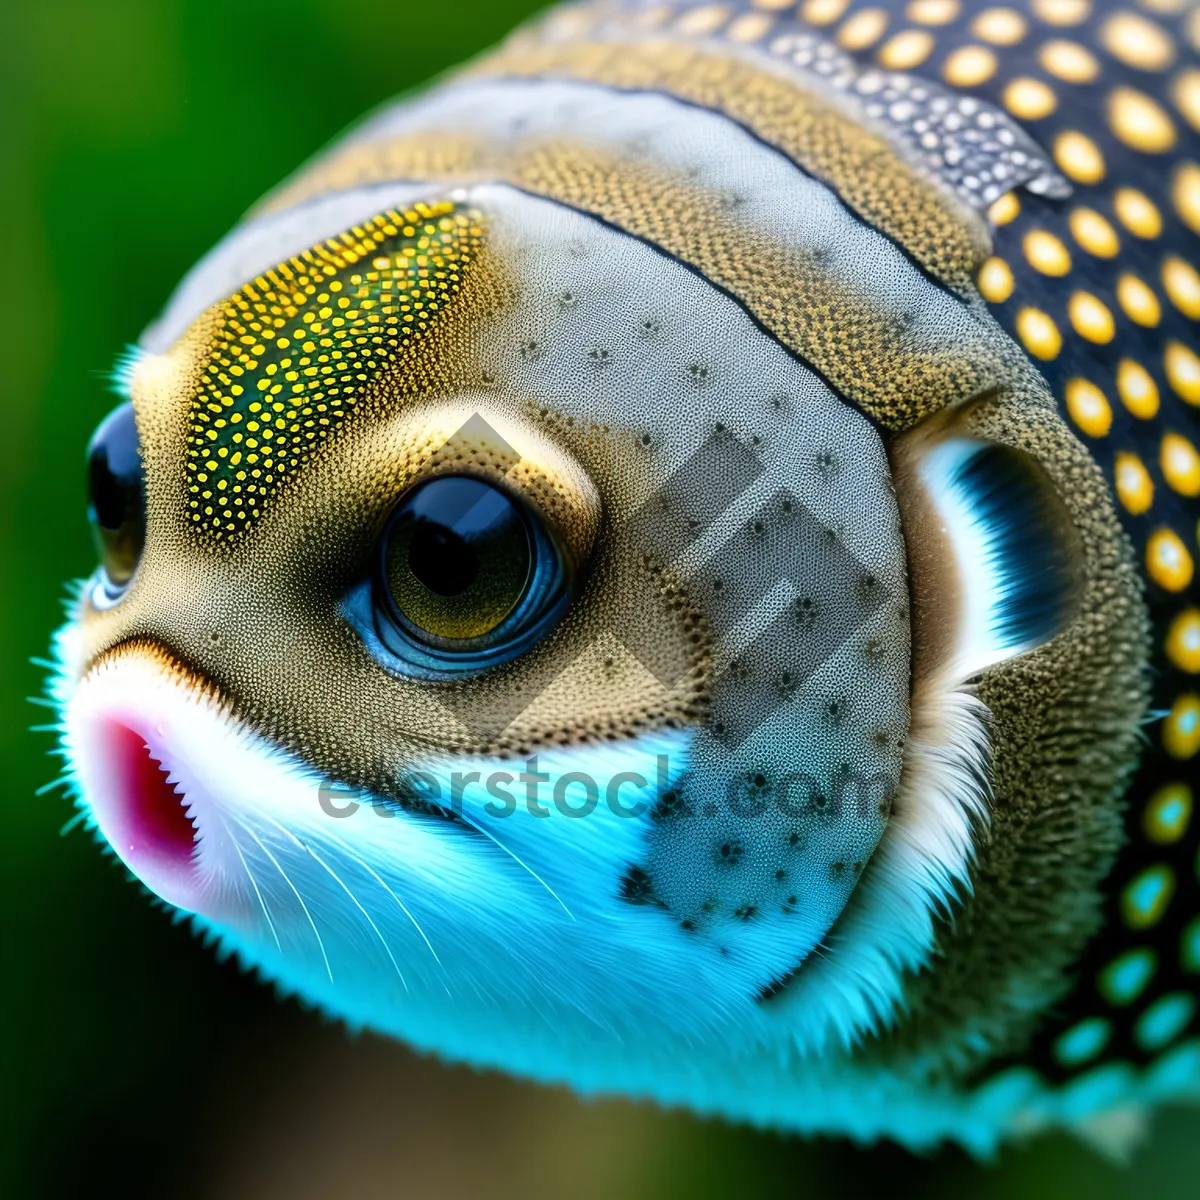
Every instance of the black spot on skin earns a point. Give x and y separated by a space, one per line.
646 439
729 854
638 888
747 912
806 611
689 926
790 904
837 869
794 839
670 805
780 875
698 372
857 868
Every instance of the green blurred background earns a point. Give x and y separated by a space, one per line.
134 133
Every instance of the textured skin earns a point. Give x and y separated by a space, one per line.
814 239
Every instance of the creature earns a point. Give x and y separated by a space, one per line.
666 564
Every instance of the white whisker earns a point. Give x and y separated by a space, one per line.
354 899
382 883
288 881
253 883
524 865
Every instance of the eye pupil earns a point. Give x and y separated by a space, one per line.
116 495
441 560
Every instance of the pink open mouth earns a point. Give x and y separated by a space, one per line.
144 817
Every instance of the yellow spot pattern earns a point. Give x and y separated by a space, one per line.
1006 209
1135 488
1137 42
1062 12
1069 61
1138 300
969 66
1180 464
1045 253
906 50
1185 94
1000 26
1137 389
1140 121
1094 233
816 12
296 350
1168 561
1078 157
1183 641
1181 282
1181 729
1185 194
1038 333
1183 371
995 280
932 12
1029 99
1137 212
749 27
1091 318
863 29
1089 407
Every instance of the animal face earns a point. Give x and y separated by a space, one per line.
588 587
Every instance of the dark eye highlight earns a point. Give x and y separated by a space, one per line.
468 577
116 502
457 558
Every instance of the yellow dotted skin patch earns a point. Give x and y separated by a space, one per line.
296 351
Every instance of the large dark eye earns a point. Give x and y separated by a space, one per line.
456 559
468 577
116 500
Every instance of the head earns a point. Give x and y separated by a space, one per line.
514 638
